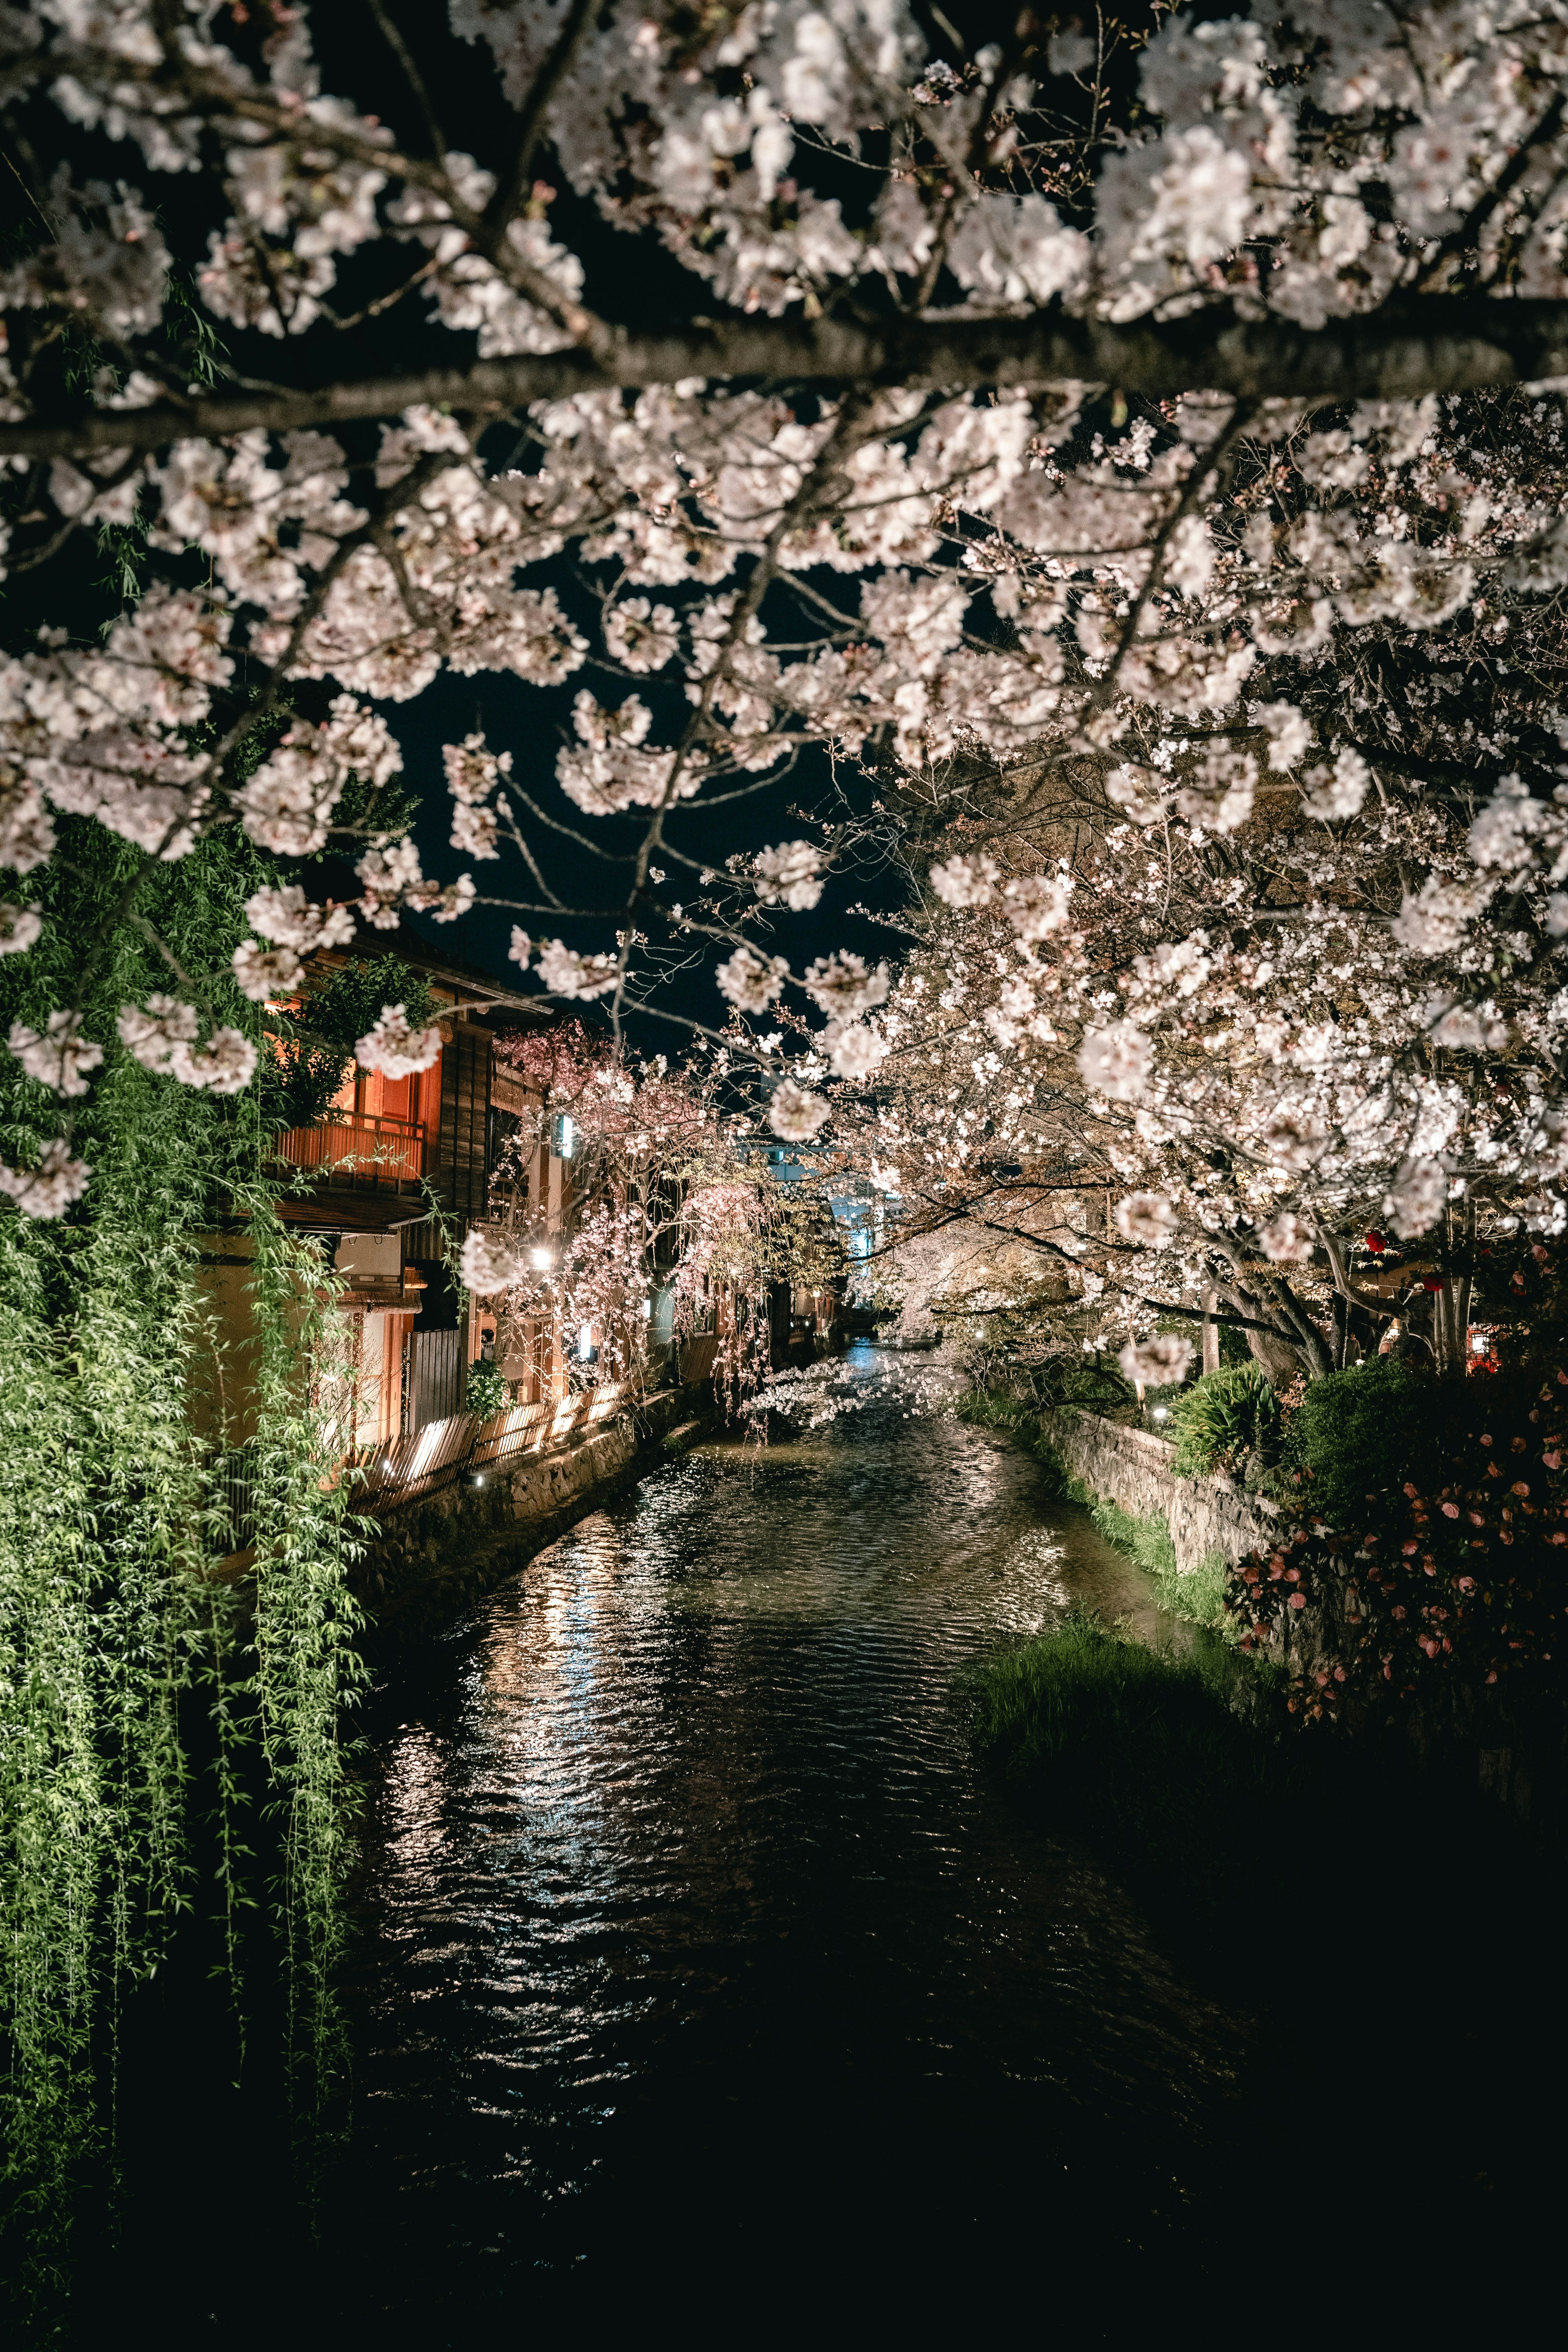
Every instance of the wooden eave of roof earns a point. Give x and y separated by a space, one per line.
467 984
366 1295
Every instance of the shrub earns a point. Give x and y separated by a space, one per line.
1361 1432
1222 1419
488 1392
1457 1581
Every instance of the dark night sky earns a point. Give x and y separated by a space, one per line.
532 722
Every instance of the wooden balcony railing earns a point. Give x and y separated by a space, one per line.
351 1148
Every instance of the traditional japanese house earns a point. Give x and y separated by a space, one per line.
390 1178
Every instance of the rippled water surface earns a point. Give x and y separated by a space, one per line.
693 1925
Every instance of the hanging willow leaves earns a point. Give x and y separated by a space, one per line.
146 1690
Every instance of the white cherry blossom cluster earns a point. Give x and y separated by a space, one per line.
1162 1361
396 1049
49 1190
789 875
288 803
794 1113
20 928
752 981
296 929
843 984
565 972
58 1056
488 1265
473 775
162 1035
1282 959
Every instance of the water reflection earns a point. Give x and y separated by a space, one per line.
687 1905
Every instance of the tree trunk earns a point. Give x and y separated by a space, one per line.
1277 1357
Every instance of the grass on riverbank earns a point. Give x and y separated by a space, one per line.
1140 1750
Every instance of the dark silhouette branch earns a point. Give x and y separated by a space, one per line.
1424 343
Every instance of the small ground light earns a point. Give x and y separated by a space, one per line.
1160 1413
540 1258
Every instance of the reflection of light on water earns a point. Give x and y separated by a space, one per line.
414 1789
720 1726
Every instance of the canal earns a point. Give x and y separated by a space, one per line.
693 1939
703 1981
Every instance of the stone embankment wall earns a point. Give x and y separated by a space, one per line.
433 1559
1132 1467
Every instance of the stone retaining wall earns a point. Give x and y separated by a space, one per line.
1132 1467
434 1559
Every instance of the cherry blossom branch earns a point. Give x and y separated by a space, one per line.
1466 236
546 82
1416 345
968 1214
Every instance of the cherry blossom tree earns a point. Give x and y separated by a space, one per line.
670 1203
1102 444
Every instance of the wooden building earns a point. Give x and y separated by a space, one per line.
391 1180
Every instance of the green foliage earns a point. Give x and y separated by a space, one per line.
306 1665
1451 1585
1145 1541
1359 1433
98 1503
131 1702
1199 1595
1222 1419
1233 1347
488 1392
102 901
373 811
1141 1749
320 1039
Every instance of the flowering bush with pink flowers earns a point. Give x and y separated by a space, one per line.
1460 1586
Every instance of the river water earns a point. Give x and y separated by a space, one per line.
695 1941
